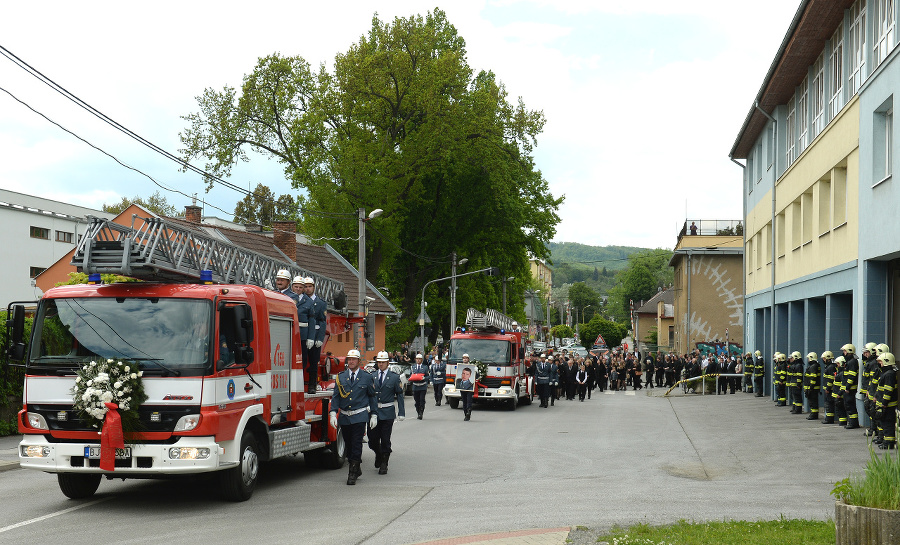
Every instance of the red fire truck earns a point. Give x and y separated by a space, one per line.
494 340
221 364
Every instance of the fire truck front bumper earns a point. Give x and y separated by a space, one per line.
504 392
187 455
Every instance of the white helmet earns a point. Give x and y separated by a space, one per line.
298 280
353 353
382 356
419 356
465 355
308 280
283 273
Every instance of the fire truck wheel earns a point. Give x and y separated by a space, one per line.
454 402
513 403
78 485
238 482
334 455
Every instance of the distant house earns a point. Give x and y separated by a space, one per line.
656 314
708 293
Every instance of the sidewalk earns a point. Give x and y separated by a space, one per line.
547 536
9 456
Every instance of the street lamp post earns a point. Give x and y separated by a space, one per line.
453 276
361 216
505 280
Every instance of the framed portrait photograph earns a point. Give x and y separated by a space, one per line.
466 377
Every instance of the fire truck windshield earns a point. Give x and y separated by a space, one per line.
483 350
160 334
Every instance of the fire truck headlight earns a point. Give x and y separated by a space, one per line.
187 422
36 421
502 391
450 389
35 451
188 453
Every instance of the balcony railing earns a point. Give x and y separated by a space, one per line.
697 227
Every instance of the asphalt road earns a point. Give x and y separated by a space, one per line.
615 459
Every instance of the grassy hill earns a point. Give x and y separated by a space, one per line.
594 265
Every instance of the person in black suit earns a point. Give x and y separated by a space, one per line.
467 391
581 379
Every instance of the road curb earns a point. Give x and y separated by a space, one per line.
7 466
539 536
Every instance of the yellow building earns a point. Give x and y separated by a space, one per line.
708 291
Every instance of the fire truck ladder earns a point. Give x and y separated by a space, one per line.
490 320
160 249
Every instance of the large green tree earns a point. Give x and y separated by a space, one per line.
646 272
582 297
261 206
404 125
155 203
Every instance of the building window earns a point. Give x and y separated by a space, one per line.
857 45
823 188
837 71
40 232
803 115
882 139
839 195
62 236
818 95
883 29
791 134
34 271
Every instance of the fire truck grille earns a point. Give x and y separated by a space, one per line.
153 417
486 382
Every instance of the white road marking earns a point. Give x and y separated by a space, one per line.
50 515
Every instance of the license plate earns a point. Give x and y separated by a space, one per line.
93 453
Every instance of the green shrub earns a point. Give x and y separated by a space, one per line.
878 486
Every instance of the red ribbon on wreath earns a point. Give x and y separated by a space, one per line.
477 387
111 437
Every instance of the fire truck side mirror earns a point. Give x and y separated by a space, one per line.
17 337
243 323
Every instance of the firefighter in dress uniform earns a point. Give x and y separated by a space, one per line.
759 374
304 318
283 284
829 369
419 387
849 385
317 328
838 391
542 378
388 388
812 383
780 381
354 399
886 404
438 378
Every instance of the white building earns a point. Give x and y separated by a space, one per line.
36 232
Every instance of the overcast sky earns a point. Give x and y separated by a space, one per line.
643 99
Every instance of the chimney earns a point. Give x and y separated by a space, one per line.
192 213
285 235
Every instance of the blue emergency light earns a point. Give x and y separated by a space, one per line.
206 276
94 278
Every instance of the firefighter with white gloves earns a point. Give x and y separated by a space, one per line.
388 389
352 403
419 379
318 324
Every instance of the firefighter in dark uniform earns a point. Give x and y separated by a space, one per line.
759 374
542 375
871 372
388 388
829 368
438 377
812 384
874 383
748 366
283 284
795 381
849 385
838 391
780 381
354 398
304 319
317 327
419 387
886 404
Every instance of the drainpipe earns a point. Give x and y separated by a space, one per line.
774 180
744 276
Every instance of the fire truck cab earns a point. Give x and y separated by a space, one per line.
496 341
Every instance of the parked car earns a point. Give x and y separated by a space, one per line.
576 349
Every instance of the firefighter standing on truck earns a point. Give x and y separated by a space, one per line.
354 397
388 389
317 331
304 318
